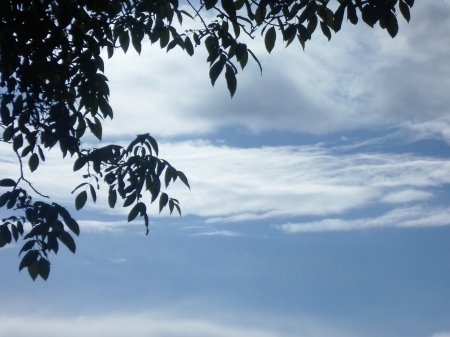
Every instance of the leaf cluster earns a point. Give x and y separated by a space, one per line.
53 90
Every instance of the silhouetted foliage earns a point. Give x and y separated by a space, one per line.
53 90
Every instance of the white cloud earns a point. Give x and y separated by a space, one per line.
361 78
442 334
234 184
221 233
406 196
406 217
155 325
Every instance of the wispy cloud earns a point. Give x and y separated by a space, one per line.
158 325
407 217
215 233
405 196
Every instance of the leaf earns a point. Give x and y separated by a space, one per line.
33 162
15 232
112 198
339 16
270 39
27 246
80 200
134 212
4 198
7 183
188 46
325 30
153 143
171 45
230 76
73 225
26 150
79 163
210 4
392 26
67 239
256 59
168 176
43 268
404 9
8 133
130 199
124 40
164 37
183 178
93 194
216 69
171 203
163 199
95 129
410 2
41 154
82 184
29 258
351 13
33 270
178 209
17 142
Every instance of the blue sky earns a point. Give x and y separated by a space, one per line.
319 202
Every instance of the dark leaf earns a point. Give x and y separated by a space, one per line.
93 194
164 37
171 203
33 162
134 212
269 39
15 232
67 240
27 246
79 163
80 200
188 46
124 40
29 258
351 13
33 270
112 198
163 199
230 76
17 142
178 209
404 9
392 26
73 225
216 69
210 3
43 268
339 17
7 183
183 178
41 154
325 30
129 200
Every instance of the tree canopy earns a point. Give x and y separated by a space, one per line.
54 91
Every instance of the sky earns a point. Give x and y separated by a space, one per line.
319 201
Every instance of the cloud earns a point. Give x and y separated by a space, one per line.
155 325
407 217
442 334
221 233
406 196
360 79
233 184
